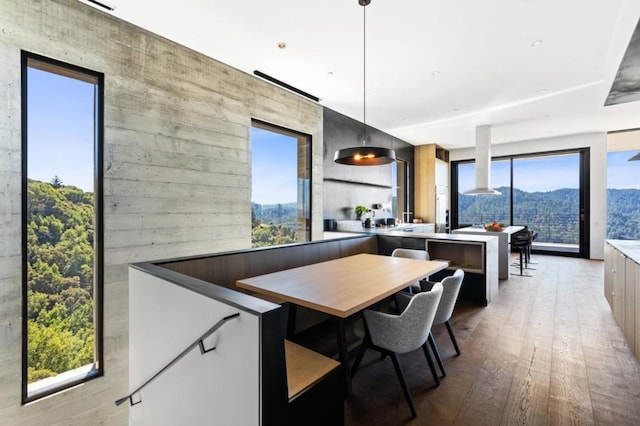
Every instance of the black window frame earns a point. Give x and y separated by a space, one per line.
584 193
98 285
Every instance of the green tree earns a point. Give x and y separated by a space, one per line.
59 278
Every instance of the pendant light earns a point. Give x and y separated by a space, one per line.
364 155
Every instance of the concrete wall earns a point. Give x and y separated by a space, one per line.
597 142
177 173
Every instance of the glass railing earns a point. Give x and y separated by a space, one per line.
562 229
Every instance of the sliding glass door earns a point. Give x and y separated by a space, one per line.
547 192
546 197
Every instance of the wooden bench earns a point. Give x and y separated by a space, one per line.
315 387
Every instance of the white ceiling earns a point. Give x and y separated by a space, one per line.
489 71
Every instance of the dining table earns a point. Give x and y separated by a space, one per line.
342 287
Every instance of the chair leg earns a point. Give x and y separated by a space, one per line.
520 261
432 367
453 337
436 353
403 383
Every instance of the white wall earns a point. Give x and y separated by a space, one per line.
597 142
220 387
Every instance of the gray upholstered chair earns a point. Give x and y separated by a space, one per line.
412 254
398 334
450 290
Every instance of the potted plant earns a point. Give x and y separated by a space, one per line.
360 210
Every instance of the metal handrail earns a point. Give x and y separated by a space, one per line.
197 342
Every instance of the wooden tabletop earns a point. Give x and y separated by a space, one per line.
343 286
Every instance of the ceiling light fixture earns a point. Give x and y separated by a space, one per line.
364 155
536 43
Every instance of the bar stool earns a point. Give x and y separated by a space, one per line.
521 242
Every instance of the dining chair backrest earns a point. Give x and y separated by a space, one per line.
411 253
450 290
408 331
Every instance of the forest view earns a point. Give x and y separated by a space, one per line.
273 224
554 214
59 278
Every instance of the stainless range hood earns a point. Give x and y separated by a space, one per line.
483 163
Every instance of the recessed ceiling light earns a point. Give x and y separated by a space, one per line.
282 45
536 43
435 73
330 73
543 91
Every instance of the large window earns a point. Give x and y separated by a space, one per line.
280 185
623 196
546 192
62 225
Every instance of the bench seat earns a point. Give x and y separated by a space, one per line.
315 385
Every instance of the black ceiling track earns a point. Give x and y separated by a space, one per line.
285 85
102 5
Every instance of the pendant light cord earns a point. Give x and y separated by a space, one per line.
364 74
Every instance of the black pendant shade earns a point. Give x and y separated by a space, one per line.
364 156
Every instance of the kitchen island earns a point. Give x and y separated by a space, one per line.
504 241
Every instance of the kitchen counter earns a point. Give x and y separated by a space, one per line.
630 248
504 244
399 232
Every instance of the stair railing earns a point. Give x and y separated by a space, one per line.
198 342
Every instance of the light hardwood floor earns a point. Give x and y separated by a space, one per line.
547 352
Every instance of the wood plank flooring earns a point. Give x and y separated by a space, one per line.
547 352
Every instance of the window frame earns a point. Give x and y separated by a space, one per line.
264 125
32 60
584 193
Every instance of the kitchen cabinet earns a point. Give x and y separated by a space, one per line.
431 190
622 288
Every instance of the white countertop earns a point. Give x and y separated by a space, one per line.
630 248
506 230
394 233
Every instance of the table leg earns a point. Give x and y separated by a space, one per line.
343 354
291 320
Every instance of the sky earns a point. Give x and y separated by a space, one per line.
274 169
542 174
60 129
622 173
